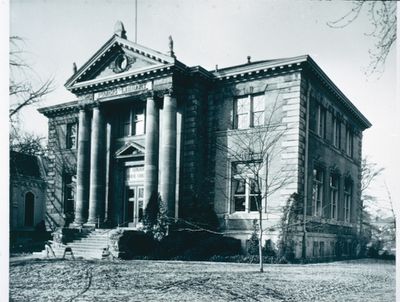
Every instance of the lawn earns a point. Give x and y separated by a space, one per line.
104 280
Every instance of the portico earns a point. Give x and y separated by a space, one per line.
147 165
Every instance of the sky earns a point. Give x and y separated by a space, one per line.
57 33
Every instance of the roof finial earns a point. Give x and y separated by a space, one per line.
74 68
119 29
248 59
171 46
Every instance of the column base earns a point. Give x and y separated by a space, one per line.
75 225
90 225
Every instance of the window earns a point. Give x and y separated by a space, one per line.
138 121
322 248
250 111
348 187
349 141
69 196
242 113
333 248
318 191
315 249
71 136
132 121
245 189
336 133
334 186
29 209
321 121
257 117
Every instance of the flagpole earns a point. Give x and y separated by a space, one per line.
135 21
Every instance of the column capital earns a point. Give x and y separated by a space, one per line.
150 94
82 107
171 92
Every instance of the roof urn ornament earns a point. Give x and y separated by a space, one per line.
171 47
119 29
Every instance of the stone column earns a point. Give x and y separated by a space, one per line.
82 173
151 157
97 169
168 154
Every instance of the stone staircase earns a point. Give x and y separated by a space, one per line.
86 246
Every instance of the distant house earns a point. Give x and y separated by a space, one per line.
27 191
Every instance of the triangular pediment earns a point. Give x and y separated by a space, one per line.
118 58
131 149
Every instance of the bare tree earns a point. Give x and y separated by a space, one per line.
22 88
27 143
369 172
391 207
253 152
383 18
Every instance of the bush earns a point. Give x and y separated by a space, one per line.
253 246
135 243
213 245
155 220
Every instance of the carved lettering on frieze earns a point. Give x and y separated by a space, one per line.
123 90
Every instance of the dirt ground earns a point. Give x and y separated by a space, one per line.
104 280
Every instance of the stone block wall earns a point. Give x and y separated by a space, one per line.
323 154
61 161
194 145
282 91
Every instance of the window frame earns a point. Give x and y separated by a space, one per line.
250 113
336 132
71 138
321 121
348 192
334 195
129 121
247 177
349 141
318 192
69 187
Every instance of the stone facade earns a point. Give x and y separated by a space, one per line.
144 123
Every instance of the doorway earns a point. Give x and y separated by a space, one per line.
134 205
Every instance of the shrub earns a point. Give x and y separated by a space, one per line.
213 245
135 243
253 246
155 220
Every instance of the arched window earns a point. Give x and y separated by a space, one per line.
29 209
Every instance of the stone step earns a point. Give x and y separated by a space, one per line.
88 244
85 245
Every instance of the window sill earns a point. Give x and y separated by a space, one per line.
244 215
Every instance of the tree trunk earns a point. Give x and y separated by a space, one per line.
260 240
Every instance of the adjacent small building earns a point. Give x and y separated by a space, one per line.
145 123
27 192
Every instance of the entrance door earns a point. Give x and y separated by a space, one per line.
134 205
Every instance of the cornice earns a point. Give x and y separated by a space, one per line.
60 109
338 93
